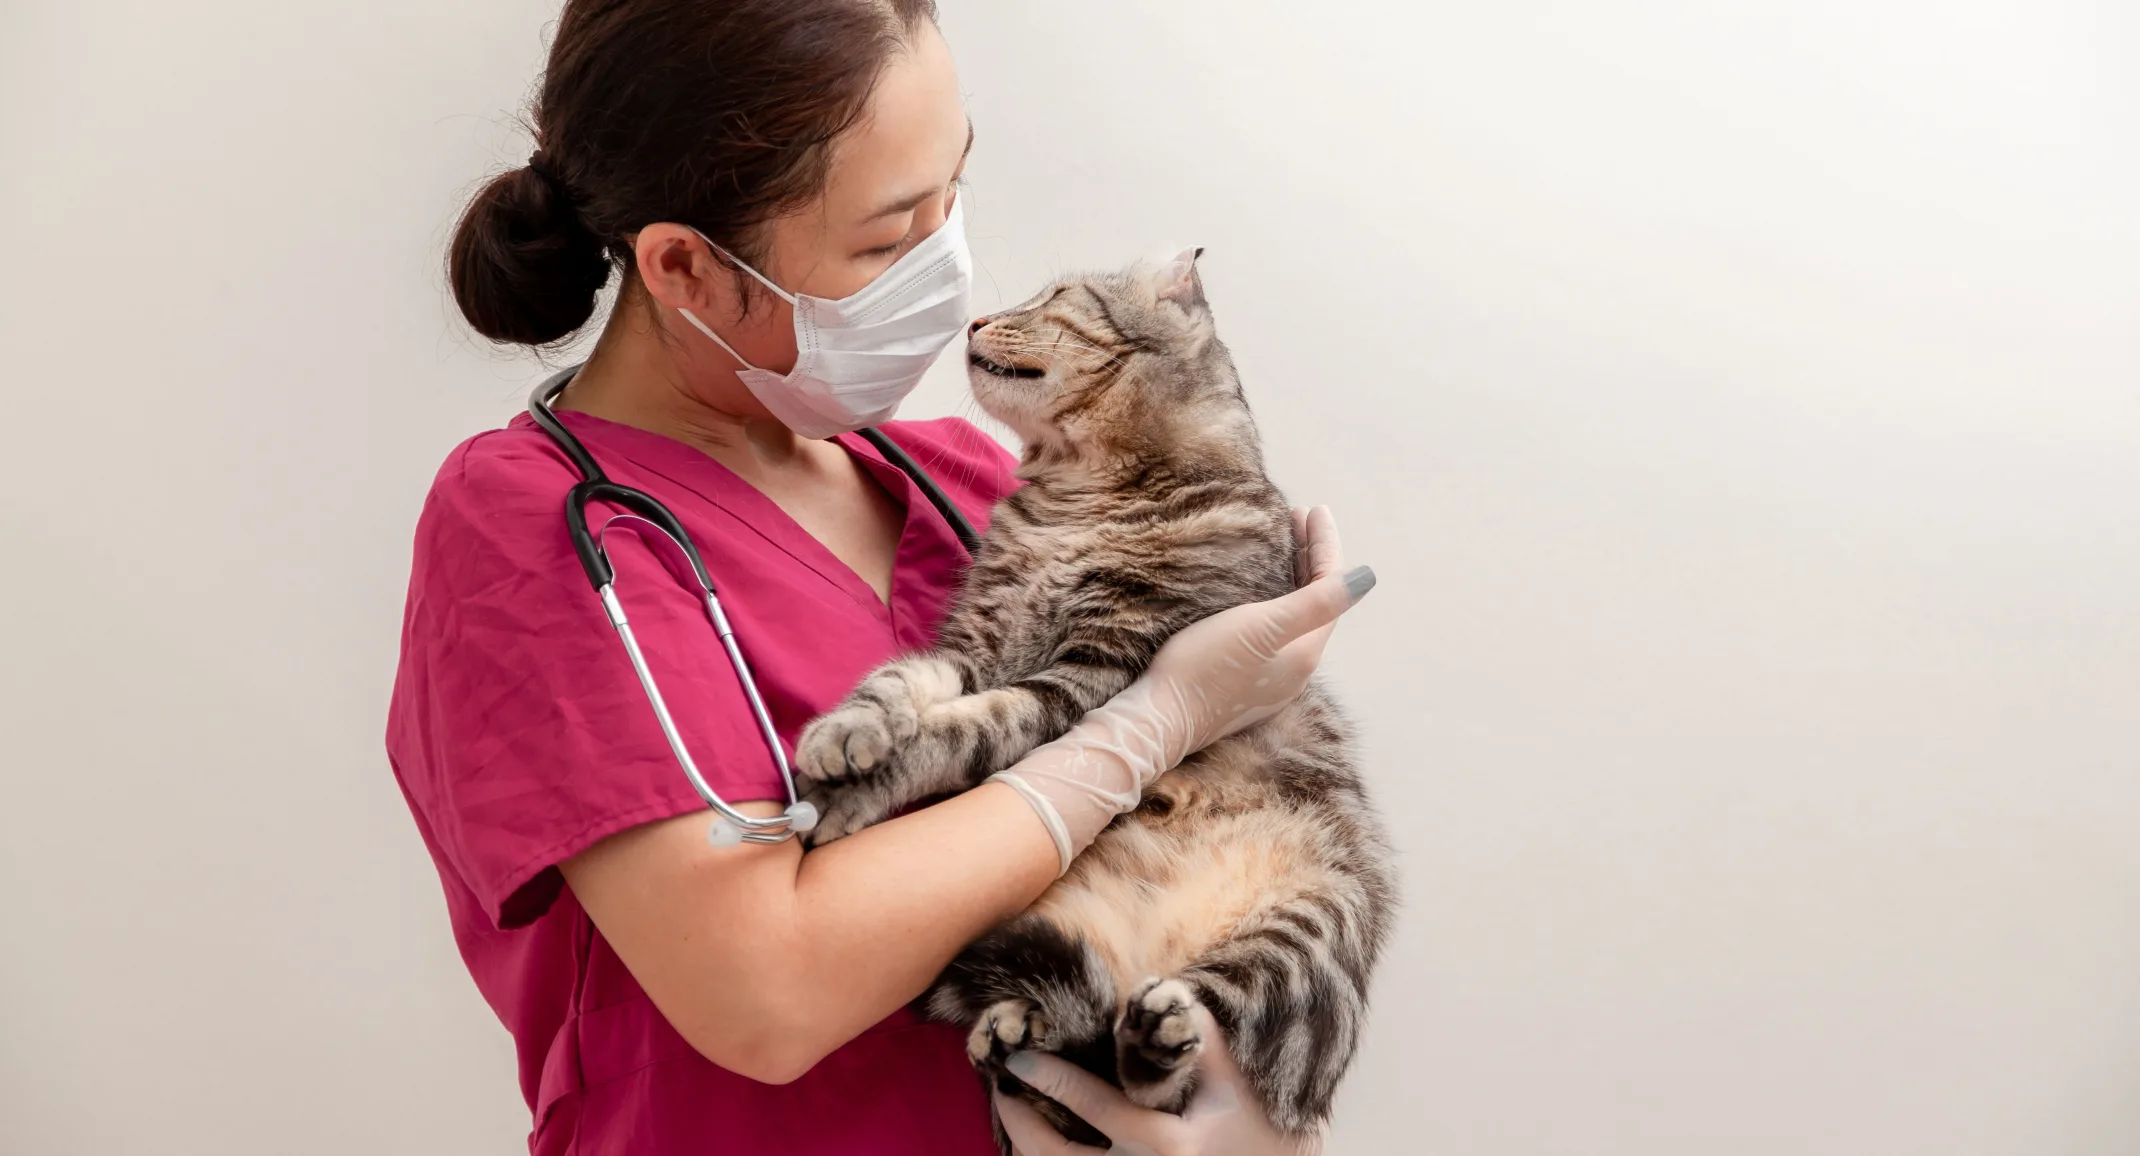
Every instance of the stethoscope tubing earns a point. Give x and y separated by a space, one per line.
732 826
752 829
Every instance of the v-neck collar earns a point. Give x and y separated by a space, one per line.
692 469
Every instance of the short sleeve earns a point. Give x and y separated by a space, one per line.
519 729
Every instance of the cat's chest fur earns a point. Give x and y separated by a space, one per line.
1143 562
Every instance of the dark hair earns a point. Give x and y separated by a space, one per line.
718 114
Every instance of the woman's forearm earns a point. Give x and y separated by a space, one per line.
767 959
884 910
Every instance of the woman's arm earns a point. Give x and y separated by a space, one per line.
767 959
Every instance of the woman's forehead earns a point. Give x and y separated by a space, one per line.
909 144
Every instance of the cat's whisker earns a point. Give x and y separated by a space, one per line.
1079 342
970 410
1029 346
937 458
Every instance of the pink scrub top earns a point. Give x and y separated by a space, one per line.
520 737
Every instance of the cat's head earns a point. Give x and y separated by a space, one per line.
1114 368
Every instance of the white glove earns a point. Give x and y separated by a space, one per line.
1217 676
1223 1118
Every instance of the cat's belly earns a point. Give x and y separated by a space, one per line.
1161 886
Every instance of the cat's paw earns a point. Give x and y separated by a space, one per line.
1157 1040
853 741
865 735
1013 1025
846 807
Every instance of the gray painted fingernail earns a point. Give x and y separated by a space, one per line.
1358 581
1023 1065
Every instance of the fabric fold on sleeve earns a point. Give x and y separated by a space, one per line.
539 737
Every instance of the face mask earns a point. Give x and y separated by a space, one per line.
857 358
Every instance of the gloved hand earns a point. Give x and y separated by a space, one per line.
1223 1118
1217 676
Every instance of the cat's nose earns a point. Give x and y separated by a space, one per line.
977 326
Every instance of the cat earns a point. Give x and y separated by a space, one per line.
1253 878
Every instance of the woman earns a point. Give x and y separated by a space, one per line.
736 159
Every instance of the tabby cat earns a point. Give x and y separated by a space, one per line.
1254 877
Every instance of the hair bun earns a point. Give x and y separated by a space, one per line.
525 269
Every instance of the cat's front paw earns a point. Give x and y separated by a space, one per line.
1157 1040
866 735
848 806
856 740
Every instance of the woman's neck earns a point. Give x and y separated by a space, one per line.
668 386
638 377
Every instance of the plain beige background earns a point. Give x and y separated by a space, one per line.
1740 404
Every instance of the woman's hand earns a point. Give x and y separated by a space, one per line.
1217 676
1223 1119
1237 667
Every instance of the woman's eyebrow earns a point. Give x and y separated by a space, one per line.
906 204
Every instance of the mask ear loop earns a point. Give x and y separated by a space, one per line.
706 329
739 263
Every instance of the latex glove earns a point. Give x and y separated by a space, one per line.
1215 677
1223 1118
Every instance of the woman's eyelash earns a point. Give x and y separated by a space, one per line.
958 182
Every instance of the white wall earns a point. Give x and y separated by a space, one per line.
1740 404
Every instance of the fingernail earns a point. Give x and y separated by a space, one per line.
1358 581
1023 1065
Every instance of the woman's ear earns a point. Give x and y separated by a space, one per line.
680 270
1179 282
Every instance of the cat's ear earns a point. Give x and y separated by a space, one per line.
1179 282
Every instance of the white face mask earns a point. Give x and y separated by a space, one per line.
857 358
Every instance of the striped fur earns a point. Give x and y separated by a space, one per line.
1254 878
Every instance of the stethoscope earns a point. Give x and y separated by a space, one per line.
731 826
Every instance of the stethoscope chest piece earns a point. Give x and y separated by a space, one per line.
801 818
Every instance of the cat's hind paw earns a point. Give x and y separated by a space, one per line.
1157 1041
1013 1025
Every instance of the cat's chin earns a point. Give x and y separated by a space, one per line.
1006 402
